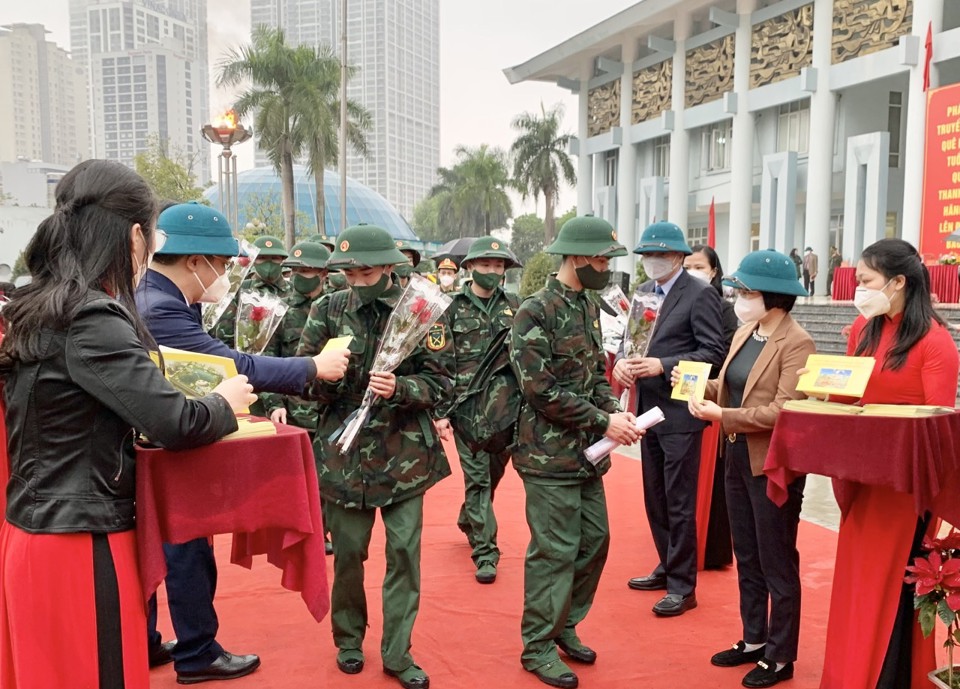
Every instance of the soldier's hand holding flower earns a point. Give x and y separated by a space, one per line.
623 428
383 384
332 364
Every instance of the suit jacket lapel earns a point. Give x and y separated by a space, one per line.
669 301
766 354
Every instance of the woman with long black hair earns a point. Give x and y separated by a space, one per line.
78 387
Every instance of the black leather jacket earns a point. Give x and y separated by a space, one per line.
73 415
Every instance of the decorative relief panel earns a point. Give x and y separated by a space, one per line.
652 91
861 27
604 108
709 71
781 47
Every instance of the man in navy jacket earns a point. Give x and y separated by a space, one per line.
187 271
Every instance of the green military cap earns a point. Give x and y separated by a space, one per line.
491 247
587 235
662 237
365 245
405 246
766 271
193 228
307 255
269 246
324 239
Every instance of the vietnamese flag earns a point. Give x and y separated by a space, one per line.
928 58
712 225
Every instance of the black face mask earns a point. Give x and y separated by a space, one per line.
591 278
368 294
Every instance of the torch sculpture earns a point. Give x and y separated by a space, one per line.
226 131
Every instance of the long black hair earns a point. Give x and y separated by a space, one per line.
890 258
714 260
83 246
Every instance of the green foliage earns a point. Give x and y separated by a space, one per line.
641 275
572 213
527 238
426 221
168 172
20 266
536 272
472 196
264 216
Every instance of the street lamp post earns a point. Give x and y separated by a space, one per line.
226 131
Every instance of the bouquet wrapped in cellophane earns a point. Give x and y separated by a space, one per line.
419 307
258 317
237 271
612 326
644 310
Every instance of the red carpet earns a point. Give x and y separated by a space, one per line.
468 635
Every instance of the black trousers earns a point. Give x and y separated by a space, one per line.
768 563
808 283
671 467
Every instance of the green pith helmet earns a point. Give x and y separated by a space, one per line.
404 246
766 271
193 228
269 246
307 255
365 245
491 247
324 239
662 237
587 235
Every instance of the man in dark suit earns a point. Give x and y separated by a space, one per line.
190 270
689 328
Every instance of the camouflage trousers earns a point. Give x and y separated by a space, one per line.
482 472
351 529
569 540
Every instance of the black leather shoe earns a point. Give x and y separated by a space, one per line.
557 674
227 666
579 652
737 656
766 675
350 666
674 604
652 582
411 678
162 654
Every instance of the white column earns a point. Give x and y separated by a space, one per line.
823 112
916 127
627 162
680 139
584 161
741 161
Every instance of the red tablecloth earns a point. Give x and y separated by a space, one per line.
944 283
263 490
920 456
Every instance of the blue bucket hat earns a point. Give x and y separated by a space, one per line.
766 271
193 228
662 237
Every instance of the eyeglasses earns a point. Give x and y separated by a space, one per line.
159 239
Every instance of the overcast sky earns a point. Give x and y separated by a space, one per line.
477 40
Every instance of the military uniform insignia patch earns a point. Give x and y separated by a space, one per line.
436 338
507 312
344 245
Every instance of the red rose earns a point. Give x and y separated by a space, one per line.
649 315
243 261
258 313
624 305
425 316
419 304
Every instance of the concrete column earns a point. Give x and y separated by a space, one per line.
741 161
627 162
584 161
678 203
915 137
823 113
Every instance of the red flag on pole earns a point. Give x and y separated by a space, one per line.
712 225
928 56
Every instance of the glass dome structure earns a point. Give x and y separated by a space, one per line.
364 205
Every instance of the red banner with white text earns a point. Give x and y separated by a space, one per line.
940 216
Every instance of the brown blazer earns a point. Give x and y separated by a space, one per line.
772 381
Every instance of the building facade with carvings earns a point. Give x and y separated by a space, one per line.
802 121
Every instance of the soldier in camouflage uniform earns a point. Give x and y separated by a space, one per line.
479 311
405 270
556 354
395 459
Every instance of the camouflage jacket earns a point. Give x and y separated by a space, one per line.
474 325
556 354
398 454
226 328
286 339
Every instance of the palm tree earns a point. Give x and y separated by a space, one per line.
541 162
472 194
273 71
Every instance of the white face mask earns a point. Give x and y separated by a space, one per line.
749 310
701 275
446 280
214 293
657 267
871 302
